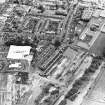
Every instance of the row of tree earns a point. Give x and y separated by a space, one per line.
83 81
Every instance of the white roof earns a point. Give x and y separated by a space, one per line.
97 13
2 1
16 65
102 14
96 1
3 18
18 52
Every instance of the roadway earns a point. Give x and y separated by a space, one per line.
66 21
70 21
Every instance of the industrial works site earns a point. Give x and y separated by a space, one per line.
52 52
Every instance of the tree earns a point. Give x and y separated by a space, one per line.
57 43
79 82
16 1
87 72
92 70
71 92
84 78
41 8
63 102
72 98
103 53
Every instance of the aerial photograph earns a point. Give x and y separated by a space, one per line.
52 52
